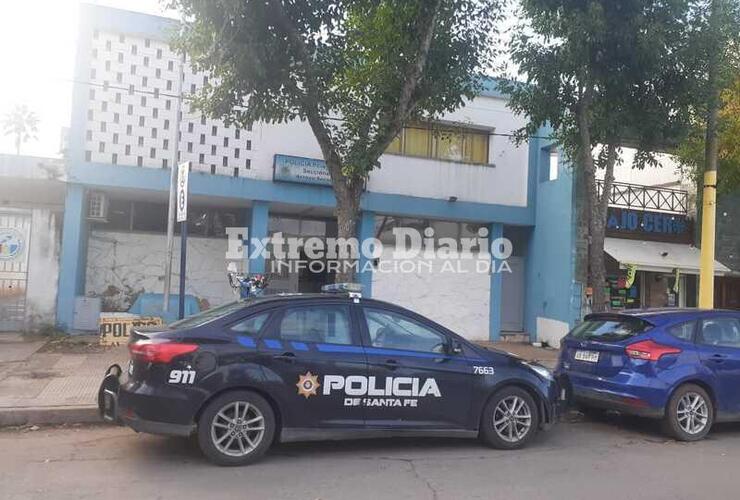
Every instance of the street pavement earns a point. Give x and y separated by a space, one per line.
615 458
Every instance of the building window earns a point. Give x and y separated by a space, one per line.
170 65
166 124
155 113
103 127
154 132
167 104
190 127
236 133
143 101
133 69
156 93
129 129
115 138
166 144
465 145
101 147
249 145
131 89
141 141
202 138
236 171
249 127
139 161
553 166
169 84
202 119
225 161
114 158
226 142
214 130
130 109
147 42
190 147
152 153
128 149
164 163
141 121
236 152
159 53
144 81
201 159
107 65
116 118
118 98
120 57
133 49
248 164
213 149
107 45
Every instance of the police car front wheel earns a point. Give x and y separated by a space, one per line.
236 428
510 419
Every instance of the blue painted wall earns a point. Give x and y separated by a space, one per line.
550 289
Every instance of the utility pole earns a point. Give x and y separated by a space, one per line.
711 147
173 194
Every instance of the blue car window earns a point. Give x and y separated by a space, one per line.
721 331
252 325
322 324
683 331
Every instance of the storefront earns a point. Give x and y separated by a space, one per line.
651 260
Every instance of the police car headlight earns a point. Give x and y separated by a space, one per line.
541 371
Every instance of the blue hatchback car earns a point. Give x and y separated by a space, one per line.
679 365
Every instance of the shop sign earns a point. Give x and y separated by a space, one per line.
11 243
301 170
639 224
115 328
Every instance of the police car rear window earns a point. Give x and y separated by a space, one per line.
208 315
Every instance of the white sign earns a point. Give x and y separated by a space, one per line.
183 169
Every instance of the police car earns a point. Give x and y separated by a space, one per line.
321 366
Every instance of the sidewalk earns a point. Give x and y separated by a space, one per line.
56 381
547 357
50 382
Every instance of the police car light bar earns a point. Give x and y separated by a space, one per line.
351 288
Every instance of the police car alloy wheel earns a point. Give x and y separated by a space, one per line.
510 419
236 428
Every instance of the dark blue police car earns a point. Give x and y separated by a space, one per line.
321 366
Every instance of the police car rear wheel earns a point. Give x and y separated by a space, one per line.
236 428
510 419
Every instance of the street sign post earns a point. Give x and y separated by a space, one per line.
183 171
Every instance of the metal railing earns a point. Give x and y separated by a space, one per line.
639 197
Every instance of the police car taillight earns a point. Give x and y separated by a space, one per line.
159 352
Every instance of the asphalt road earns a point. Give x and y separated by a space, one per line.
611 459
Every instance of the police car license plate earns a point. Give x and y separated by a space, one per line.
587 356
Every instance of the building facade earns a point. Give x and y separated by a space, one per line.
132 123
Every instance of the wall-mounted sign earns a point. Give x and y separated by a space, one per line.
645 225
11 243
301 170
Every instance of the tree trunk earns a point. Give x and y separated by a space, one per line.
348 215
598 229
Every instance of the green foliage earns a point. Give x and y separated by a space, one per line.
691 152
618 59
355 69
22 123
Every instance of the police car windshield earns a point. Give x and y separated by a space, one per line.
208 315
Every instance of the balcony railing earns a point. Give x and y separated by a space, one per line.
640 197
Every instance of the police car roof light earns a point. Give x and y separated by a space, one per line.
351 288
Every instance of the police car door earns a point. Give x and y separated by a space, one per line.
306 351
415 381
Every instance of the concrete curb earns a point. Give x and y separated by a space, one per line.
79 414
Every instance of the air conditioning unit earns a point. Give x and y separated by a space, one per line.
97 206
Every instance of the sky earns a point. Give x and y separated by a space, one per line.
37 51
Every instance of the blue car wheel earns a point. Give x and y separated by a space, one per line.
690 413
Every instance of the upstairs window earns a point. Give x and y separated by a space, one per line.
442 142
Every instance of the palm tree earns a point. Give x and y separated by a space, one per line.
22 123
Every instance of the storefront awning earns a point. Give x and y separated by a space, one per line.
657 256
